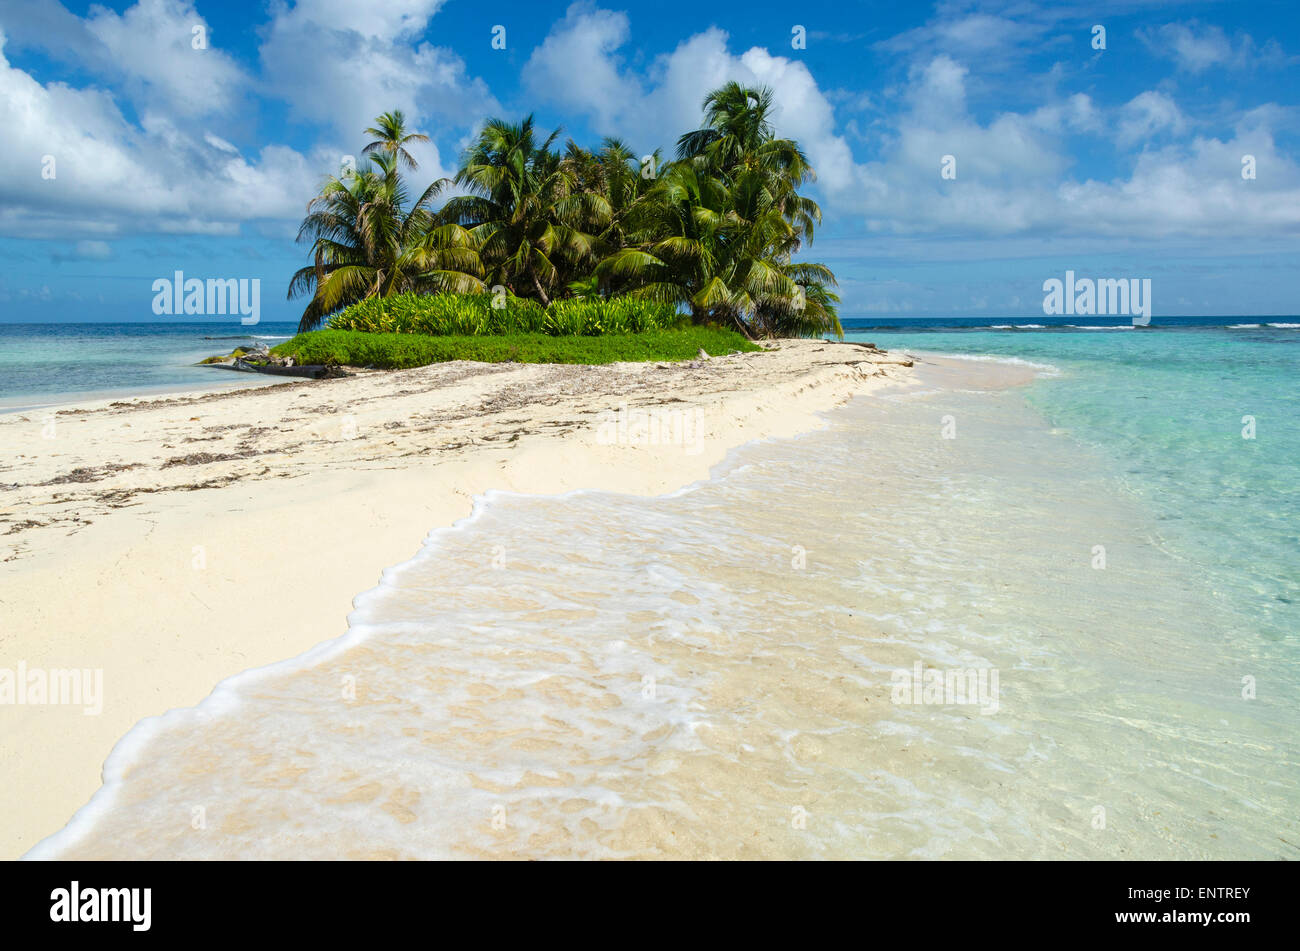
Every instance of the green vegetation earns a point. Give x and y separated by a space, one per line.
398 351
712 233
222 357
479 314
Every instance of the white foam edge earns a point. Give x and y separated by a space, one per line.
225 697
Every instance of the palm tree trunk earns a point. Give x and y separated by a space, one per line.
742 326
546 301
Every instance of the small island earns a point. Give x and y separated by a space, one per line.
548 255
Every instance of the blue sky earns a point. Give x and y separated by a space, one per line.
1117 162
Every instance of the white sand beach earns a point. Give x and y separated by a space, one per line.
175 542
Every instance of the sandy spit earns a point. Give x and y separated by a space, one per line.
174 542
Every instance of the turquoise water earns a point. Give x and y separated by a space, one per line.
43 362
1166 408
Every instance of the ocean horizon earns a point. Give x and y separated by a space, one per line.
61 361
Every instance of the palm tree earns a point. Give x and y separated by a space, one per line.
798 301
718 232
615 175
391 139
809 313
763 173
367 242
738 136
736 121
684 253
523 209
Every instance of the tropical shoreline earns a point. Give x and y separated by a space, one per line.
82 399
208 563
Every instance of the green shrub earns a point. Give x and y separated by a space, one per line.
472 315
405 350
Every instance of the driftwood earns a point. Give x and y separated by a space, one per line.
859 363
309 371
259 359
313 371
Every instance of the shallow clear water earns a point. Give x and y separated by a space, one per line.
39 362
715 673
1166 410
